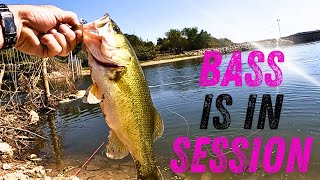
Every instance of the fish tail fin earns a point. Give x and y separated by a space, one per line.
155 174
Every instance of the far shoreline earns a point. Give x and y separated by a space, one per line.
194 54
86 71
165 61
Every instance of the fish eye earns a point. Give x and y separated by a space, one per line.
116 29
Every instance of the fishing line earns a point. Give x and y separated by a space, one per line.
181 82
182 118
188 128
230 148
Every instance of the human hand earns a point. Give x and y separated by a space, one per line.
45 31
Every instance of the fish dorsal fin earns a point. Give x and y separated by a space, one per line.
115 149
92 95
158 126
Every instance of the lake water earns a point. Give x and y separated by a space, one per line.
77 129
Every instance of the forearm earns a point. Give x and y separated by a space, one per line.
42 30
1 37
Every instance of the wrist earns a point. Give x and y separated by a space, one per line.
8 27
18 13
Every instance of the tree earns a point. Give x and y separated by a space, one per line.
203 40
191 35
214 42
134 40
83 55
176 42
189 39
144 50
225 42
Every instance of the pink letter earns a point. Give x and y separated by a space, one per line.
235 63
207 67
296 153
220 155
237 142
198 154
268 153
275 68
258 73
183 156
255 154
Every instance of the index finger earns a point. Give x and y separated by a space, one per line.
69 18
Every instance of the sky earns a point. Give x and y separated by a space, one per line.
240 21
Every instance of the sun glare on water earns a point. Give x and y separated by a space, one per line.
289 64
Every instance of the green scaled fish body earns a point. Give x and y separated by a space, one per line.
122 91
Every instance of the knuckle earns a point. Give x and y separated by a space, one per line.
64 53
51 7
56 53
45 39
70 15
70 36
55 49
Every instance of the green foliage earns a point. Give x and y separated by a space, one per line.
175 40
191 34
83 55
225 42
163 44
144 50
189 39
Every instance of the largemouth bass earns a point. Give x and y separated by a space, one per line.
121 89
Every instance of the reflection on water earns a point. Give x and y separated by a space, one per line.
56 143
77 128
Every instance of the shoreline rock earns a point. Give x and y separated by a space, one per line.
246 46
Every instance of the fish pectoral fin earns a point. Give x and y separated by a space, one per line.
115 149
113 73
92 95
158 126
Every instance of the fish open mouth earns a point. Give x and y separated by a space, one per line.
103 40
107 64
102 63
101 59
